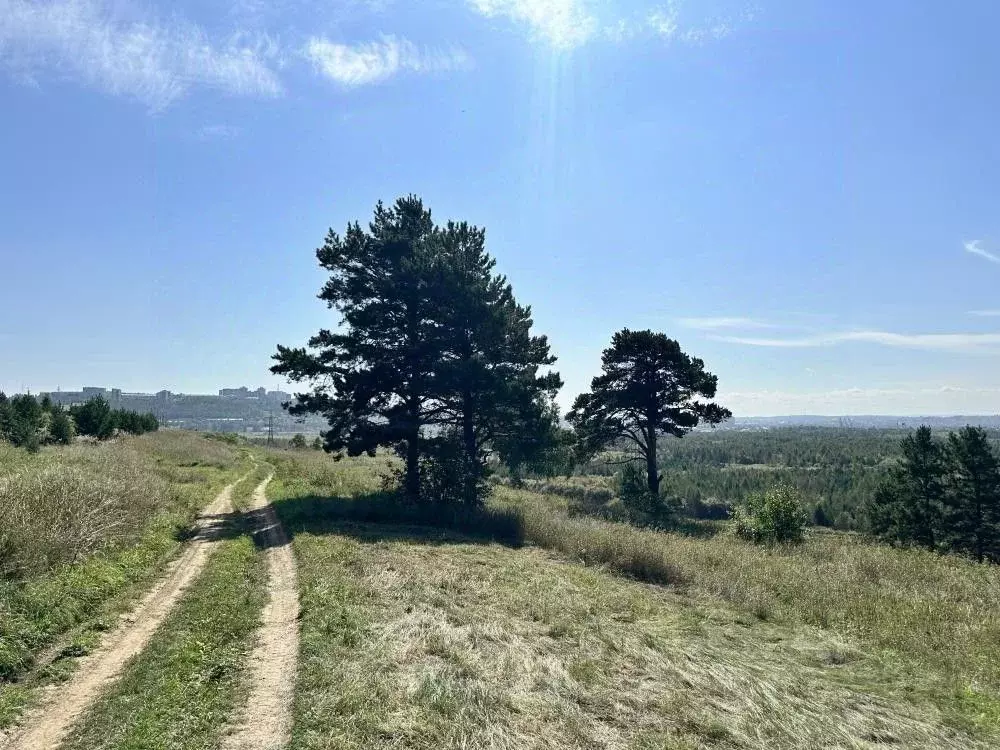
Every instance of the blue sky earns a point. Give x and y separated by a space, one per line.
804 194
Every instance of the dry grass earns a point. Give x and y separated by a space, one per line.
430 642
61 510
83 529
938 616
65 504
183 448
413 637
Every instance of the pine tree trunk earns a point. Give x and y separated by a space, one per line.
471 449
652 475
411 485
979 527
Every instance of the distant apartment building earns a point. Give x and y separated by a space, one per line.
242 392
260 393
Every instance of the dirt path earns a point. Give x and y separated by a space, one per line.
48 725
266 721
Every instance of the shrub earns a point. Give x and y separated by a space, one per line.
298 442
643 507
61 428
773 516
447 475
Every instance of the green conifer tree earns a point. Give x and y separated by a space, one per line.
972 496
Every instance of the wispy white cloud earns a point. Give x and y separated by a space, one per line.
665 22
712 32
947 342
985 313
219 132
711 324
147 60
374 62
562 23
976 248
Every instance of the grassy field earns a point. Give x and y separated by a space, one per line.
83 531
523 624
578 632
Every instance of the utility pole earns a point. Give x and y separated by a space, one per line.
270 428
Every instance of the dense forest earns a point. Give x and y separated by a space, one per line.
837 470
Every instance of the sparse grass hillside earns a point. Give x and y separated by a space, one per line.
935 618
434 637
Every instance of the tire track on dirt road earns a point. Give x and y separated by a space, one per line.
49 724
265 722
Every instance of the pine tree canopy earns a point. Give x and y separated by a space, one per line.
649 387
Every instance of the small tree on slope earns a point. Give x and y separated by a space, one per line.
648 388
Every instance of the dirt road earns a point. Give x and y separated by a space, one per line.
52 720
266 721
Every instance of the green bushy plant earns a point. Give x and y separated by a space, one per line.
642 505
448 475
772 516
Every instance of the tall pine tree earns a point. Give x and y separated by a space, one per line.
908 506
492 383
972 497
373 377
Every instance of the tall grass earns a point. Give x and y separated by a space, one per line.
938 612
84 527
54 512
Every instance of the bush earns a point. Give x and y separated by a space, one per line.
298 442
448 477
642 506
773 516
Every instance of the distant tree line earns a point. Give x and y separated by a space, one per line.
836 470
944 495
28 422
97 419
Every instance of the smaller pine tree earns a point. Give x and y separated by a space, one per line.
94 418
972 496
24 422
61 428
